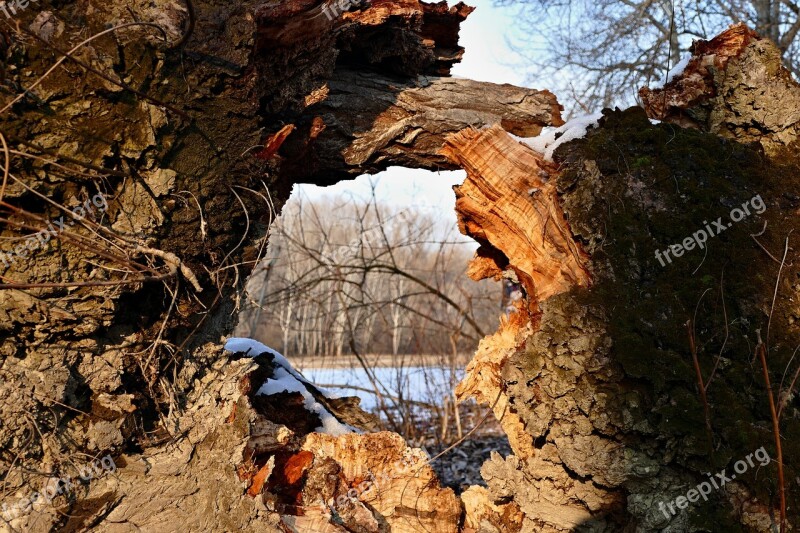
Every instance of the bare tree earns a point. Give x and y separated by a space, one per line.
389 282
601 51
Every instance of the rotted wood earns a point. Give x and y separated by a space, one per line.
509 204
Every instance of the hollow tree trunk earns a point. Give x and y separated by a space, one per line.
109 329
195 139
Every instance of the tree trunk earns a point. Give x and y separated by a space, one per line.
193 140
169 134
613 414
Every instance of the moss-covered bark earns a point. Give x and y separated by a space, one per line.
607 386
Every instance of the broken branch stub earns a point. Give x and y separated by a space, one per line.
734 85
510 206
402 122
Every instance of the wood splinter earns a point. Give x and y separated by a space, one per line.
514 214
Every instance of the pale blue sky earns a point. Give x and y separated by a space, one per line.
487 58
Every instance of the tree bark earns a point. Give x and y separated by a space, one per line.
734 86
600 390
372 121
106 328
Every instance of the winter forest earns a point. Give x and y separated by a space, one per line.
399 266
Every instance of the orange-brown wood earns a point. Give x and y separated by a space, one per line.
508 204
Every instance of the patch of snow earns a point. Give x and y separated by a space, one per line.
287 379
283 381
551 138
251 347
677 70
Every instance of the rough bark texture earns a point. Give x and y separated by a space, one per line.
736 86
604 383
126 369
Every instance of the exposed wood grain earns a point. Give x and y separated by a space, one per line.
735 86
505 204
394 482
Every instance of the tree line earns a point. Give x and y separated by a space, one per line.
351 276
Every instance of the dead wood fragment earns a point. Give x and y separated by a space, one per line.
483 380
481 510
404 123
504 204
274 143
395 482
260 478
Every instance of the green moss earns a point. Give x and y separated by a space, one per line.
659 184
641 161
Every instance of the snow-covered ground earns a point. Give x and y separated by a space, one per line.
424 384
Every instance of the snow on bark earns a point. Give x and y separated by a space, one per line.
551 138
287 379
733 85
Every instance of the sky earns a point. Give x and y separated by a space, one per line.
488 57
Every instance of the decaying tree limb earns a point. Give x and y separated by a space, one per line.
403 123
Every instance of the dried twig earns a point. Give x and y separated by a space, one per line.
701 387
55 153
189 27
777 283
174 262
776 431
727 330
5 167
786 394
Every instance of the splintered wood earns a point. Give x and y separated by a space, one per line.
733 85
695 84
380 484
510 206
483 378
